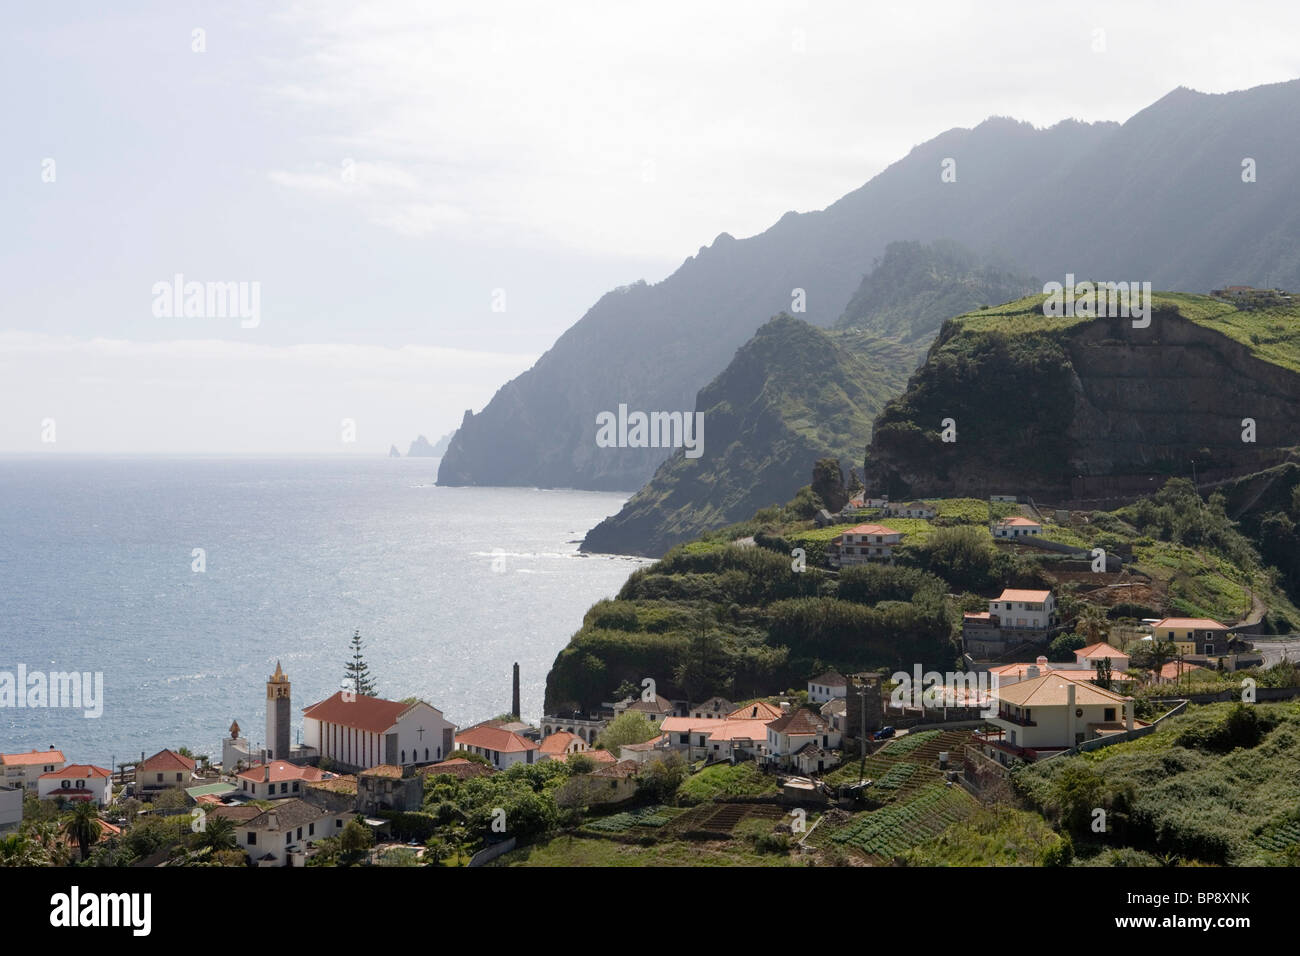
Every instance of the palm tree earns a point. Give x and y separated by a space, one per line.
1093 624
218 834
83 826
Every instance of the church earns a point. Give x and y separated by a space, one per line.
356 732
352 731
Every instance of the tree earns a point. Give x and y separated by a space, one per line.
702 669
580 763
1093 624
356 672
1103 677
19 849
218 834
355 839
83 826
661 778
629 727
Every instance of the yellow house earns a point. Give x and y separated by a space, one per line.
1192 635
1049 713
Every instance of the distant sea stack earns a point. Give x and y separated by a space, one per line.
420 448
393 452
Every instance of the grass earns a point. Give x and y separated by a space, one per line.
1271 334
1234 807
569 850
897 828
742 779
988 837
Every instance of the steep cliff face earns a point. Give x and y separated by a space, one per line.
654 346
791 395
1087 408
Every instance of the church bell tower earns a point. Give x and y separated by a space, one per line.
277 715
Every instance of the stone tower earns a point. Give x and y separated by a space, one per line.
277 715
514 697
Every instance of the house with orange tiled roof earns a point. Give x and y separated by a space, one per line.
863 544
557 746
77 781
502 748
165 769
1192 635
354 731
716 739
1016 616
1044 715
1015 527
791 732
758 710
24 769
612 783
278 780
1090 655
716 707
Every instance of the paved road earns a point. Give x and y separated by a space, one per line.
1274 650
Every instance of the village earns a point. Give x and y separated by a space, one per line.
359 785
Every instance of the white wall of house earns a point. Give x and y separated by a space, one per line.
101 787
1056 726
1024 613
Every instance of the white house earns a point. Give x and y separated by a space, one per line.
77 781
716 739
279 835
503 748
864 543
831 685
278 780
164 769
793 731
356 732
1050 713
1016 527
910 509
23 770
1019 608
1090 655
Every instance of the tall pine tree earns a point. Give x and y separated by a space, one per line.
356 672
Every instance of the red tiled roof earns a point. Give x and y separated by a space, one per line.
1194 623
32 757
759 710
281 770
373 714
800 723
165 760
871 529
1019 523
558 742
1029 597
1100 649
492 738
75 770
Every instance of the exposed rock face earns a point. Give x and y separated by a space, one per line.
393 452
792 394
1096 410
1091 199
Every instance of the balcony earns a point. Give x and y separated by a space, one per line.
1011 718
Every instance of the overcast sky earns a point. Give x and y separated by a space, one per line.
386 172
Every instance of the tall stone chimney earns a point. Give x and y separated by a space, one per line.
514 697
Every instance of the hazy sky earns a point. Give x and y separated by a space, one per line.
387 172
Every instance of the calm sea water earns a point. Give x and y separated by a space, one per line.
449 587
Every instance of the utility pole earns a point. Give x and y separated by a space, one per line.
862 739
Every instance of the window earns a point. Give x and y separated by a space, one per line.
284 788
300 833
288 838
1209 648
403 756
252 838
66 784
159 778
178 778
295 786
1109 714
311 829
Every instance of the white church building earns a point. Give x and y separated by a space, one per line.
356 732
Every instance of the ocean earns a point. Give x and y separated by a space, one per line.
100 572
